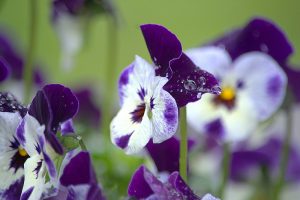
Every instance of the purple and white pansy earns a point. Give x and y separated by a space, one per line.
147 110
253 86
144 185
186 82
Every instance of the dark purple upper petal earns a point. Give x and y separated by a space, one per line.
166 154
4 70
258 35
163 46
89 112
188 82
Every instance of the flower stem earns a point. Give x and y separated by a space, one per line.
81 143
28 69
284 157
225 171
111 68
183 144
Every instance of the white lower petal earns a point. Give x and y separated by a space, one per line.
33 178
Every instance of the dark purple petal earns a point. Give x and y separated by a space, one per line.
26 194
67 128
166 154
70 174
13 192
178 183
293 75
188 82
163 46
268 155
8 103
122 142
89 112
258 35
4 70
215 129
138 186
63 103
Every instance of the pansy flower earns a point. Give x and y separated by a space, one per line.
77 180
4 70
187 82
23 155
147 110
252 81
144 185
71 18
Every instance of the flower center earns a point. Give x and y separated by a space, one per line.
138 113
22 152
226 98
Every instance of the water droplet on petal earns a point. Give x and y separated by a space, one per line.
202 81
216 90
199 95
264 48
190 85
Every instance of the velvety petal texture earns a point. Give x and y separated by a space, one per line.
186 82
144 185
8 103
166 154
52 106
78 181
253 85
147 110
4 70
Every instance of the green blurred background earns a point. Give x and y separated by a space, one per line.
194 22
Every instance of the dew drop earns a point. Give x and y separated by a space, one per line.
199 95
202 81
190 85
216 90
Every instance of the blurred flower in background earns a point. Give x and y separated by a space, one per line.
72 18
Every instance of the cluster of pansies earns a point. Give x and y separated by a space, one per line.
231 89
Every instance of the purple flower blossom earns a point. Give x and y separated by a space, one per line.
187 82
147 110
253 83
144 185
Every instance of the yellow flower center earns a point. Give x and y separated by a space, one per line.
228 93
22 152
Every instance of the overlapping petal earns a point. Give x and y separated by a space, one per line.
4 70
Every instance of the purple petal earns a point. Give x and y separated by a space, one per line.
293 75
163 46
63 103
215 129
258 35
178 183
4 70
26 194
138 186
89 112
66 6
188 82
123 80
67 128
14 190
166 154
8 103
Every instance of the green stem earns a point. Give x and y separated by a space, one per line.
81 143
111 71
284 157
183 144
225 171
31 50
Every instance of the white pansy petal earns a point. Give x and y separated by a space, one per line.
262 80
164 117
140 137
212 59
28 133
70 30
34 169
